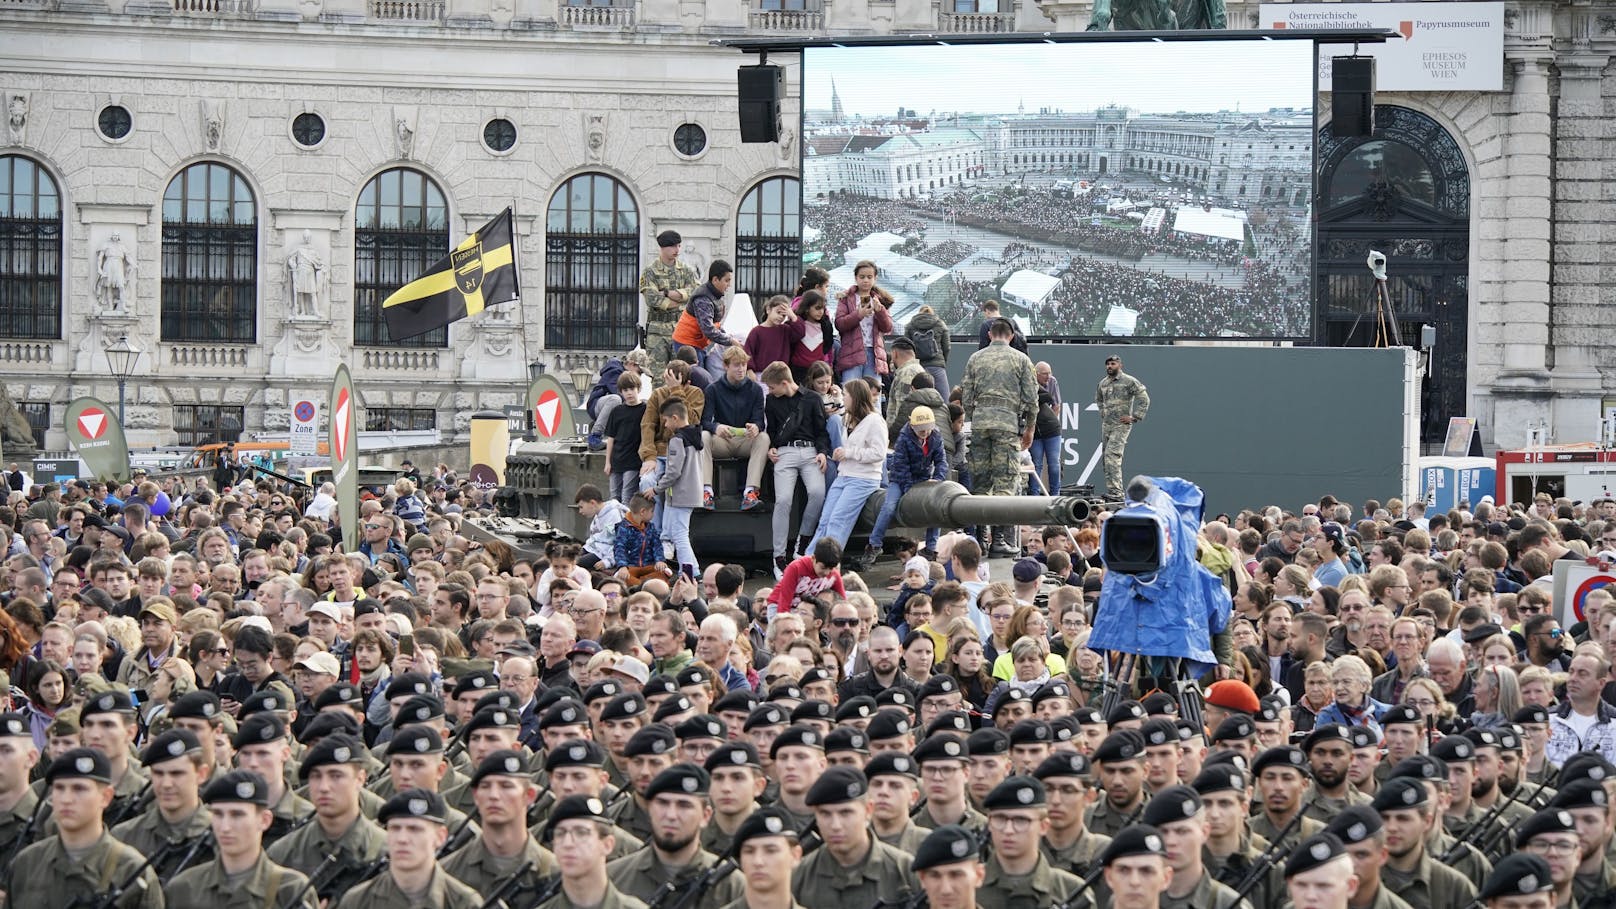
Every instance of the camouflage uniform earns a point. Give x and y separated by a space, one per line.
167 843
1120 397
661 313
268 884
1000 395
45 877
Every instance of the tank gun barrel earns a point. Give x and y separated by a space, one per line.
944 503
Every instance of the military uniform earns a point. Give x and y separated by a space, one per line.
382 892
1105 819
306 849
633 817
971 819
127 793
1118 397
1468 861
290 813
715 840
1081 856
822 881
1231 869
13 822
1431 885
1386 899
907 840
1492 833
1323 808
1000 395
481 870
167 843
1263 827
641 875
1045 885
1597 889
661 313
44 876
266 886
1207 894
614 899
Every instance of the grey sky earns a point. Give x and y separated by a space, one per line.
1153 77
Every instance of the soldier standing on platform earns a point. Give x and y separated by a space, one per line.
667 285
1000 395
1123 402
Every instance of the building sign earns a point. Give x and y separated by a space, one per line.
1441 47
305 423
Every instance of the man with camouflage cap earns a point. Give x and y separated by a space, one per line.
171 831
679 809
1000 395
1123 401
504 790
240 876
852 868
333 771
415 825
666 285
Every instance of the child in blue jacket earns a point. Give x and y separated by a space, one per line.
919 455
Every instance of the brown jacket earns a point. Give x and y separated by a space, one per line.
653 438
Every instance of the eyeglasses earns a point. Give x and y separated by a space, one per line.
1010 823
844 623
1421 703
1405 638
576 611
1552 847
941 769
1528 610
374 526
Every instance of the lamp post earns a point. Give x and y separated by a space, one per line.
583 377
121 359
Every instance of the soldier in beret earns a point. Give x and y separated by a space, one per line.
1136 871
261 746
1032 740
1364 837
1069 844
766 849
82 860
1119 761
335 776
735 783
581 833
678 806
415 760
620 717
1512 770
1018 875
1319 875
1236 733
1533 721
649 752
949 867
1161 754
415 825
853 868
240 876
1402 731
577 767
949 766
1232 850
1589 805
199 712
1364 770
798 756
1485 791
846 747
1551 835
1329 758
18 802
894 794
1461 856
1461 814
1282 778
699 736
1177 812
171 830
108 725
1408 813
504 790
1519 882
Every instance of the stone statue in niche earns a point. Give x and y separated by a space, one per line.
596 132
305 273
114 271
788 142
406 135
212 123
16 116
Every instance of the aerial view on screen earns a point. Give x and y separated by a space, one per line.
1133 189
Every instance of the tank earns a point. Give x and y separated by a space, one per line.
944 503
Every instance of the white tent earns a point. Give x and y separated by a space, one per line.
1191 220
1121 321
1028 288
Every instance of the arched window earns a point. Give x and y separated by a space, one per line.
401 228
210 256
592 265
30 251
768 239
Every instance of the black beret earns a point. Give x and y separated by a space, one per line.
1032 732
337 748
814 675
951 721
939 685
1581 794
258 729
625 706
1531 713
504 762
543 700
671 706
1188 731
196 705
1355 824
1482 738
700 726
1400 793
1064 728
766 715
80 763
887 724
947 845
1160 704
797 737
987 741
1420 767
784 691
693 675
1585 765
565 712
1159 731
1362 737
265 699
1126 745
414 739
408 683
771 821
1221 777
1508 739
1134 839
892 763
733 754
1314 851
237 786
413 803
1549 820
1011 695
504 700
574 753
658 685
1125 711
492 718
342 694
1171 805
575 807
653 739
419 709
324 724
1237 759
1402 714
1050 691
1065 763
115 701
1089 716
1453 749
946 746
838 785
1268 710
896 697
602 690
680 779
861 707
1233 728
14 726
813 710
1517 874
738 701
175 743
1329 732
1282 756
846 738
1016 792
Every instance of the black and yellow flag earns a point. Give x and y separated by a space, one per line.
478 273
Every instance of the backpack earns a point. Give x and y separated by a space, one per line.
925 345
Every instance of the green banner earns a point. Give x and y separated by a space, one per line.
344 445
95 433
549 409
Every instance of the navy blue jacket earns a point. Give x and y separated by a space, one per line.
731 405
908 464
605 384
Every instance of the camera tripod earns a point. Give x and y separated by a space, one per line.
1129 680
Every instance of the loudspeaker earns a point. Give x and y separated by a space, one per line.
1352 96
761 90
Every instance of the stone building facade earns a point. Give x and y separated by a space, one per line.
231 184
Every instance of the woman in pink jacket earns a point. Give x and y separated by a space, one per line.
861 321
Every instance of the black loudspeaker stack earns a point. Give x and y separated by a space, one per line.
1352 96
761 88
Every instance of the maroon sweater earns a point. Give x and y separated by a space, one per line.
767 343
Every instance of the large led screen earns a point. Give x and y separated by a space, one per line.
1095 189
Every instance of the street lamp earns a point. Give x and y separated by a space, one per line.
583 378
121 359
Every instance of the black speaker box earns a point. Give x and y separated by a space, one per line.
1352 96
761 90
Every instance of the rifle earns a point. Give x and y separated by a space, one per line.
197 843
915 900
111 897
455 839
1088 883
687 894
1269 857
507 888
1483 823
130 806
25 834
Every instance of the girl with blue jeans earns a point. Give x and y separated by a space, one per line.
918 456
859 461
820 380
1046 444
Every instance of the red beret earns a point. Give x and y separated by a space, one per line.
1233 695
